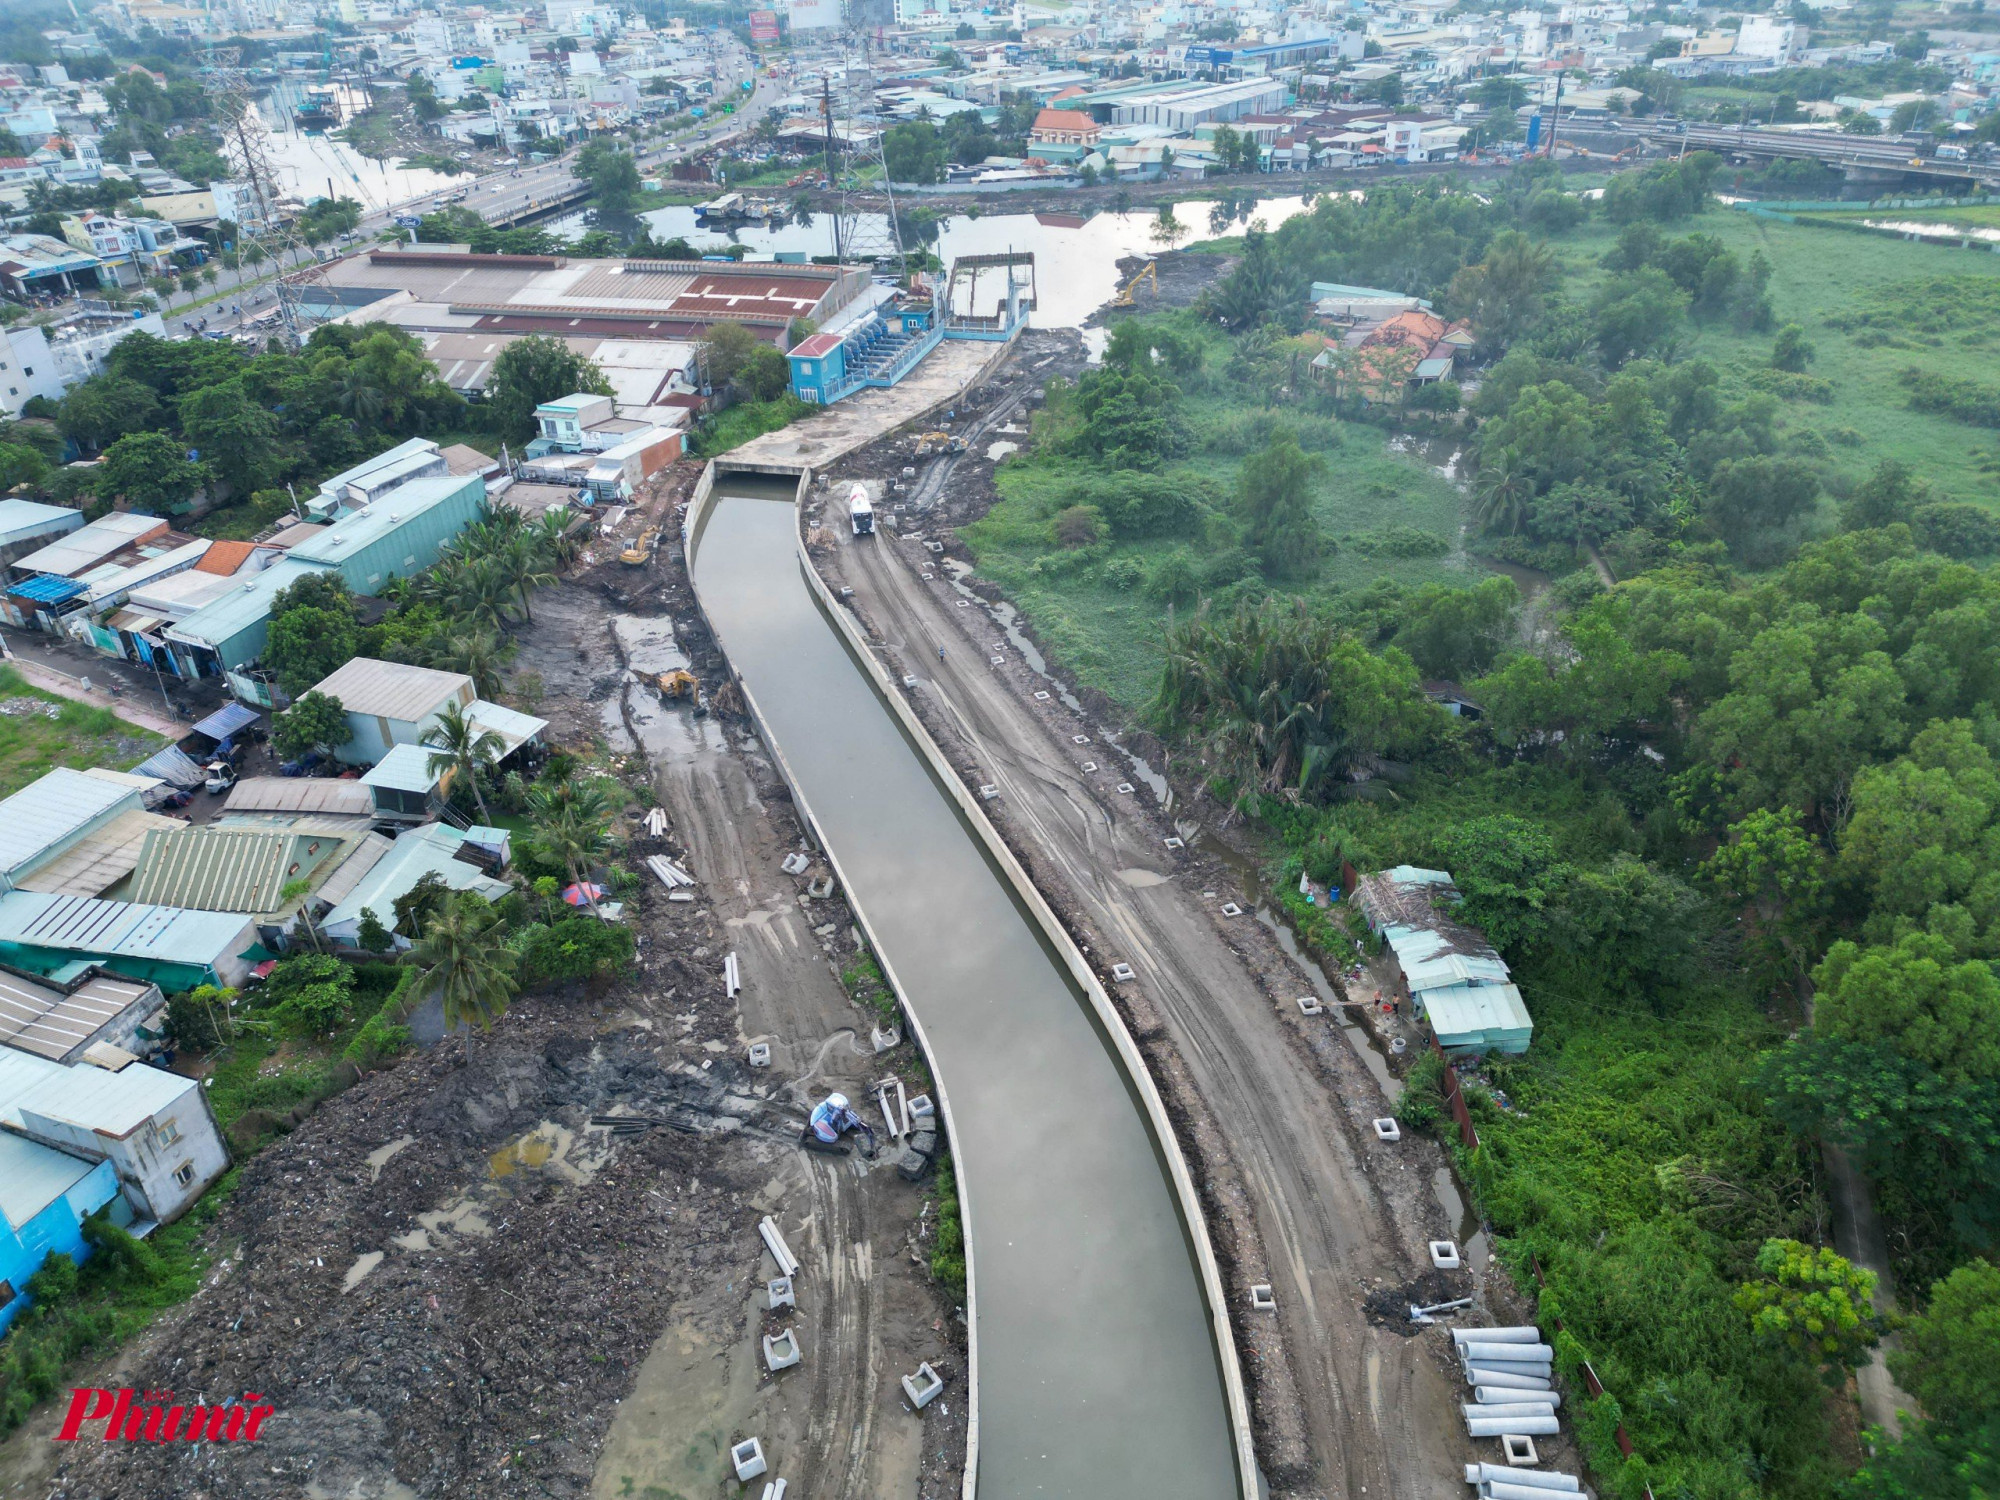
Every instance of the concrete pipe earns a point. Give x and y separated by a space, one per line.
1520 1333
1507 1355
1494 1427
1533 1478
1506 1409
1487 1375
1500 1489
1493 1395
1539 1372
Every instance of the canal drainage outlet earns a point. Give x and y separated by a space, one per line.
923 1387
781 1352
747 1457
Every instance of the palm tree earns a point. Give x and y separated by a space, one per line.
570 819
479 654
464 954
560 546
458 743
358 396
521 559
1504 488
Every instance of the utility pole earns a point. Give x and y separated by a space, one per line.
1555 116
832 182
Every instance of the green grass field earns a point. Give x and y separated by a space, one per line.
78 736
1097 618
1819 274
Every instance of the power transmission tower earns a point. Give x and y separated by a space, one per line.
243 144
860 233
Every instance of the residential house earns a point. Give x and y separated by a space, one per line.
1064 127
57 935
54 813
76 1138
26 525
1451 976
48 583
390 704
223 867
432 849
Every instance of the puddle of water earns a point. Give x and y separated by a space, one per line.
548 1146
611 718
461 1216
1140 879
416 1239
381 1155
648 643
669 729
997 451
1464 1222
363 1264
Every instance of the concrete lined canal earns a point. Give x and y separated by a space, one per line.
1097 1371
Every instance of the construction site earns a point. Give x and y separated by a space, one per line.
892 858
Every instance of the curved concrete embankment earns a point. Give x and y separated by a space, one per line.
1102 1357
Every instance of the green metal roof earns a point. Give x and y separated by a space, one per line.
226 869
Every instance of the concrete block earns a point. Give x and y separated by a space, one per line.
1444 1255
1309 1005
1125 788
999 661
989 791
909 681
1079 739
883 1038
794 863
1041 697
1231 909
965 604
760 1054
924 1139
1123 972
778 1291
782 1352
1519 1450
847 593
747 1457
912 1165
1262 1299
1173 842
923 1387
921 1107
1387 1129
935 546
1090 765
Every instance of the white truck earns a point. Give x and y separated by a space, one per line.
859 511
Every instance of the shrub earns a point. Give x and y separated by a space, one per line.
1422 1104
1957 529
1078 526
572 949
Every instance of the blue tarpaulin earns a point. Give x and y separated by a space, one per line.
48 588
225 721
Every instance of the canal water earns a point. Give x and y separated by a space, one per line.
1076 256
1097 1371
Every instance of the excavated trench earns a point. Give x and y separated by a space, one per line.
1099 1370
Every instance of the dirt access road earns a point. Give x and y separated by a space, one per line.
1311 1201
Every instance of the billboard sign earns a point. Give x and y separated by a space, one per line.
763 25
815 15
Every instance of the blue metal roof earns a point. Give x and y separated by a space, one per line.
48 588
225 721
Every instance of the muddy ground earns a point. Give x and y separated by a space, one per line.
448 1282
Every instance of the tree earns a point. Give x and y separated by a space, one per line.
727 349
570 819
1917 999
315 723
235 437
914 153
150 471
766 375
1506 294
1276 497
106 408
1639 313
371 934
534 369
1769 863
1752 497
1890 494
460 745
480 654
1507 875
1814 1302
305 644
1791 350
463 954
612 174
1950 1354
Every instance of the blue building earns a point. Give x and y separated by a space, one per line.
883 346
45 1195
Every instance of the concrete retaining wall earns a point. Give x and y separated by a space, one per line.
1059 940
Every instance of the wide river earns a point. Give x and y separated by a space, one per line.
1097 1372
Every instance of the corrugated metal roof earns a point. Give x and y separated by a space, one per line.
342 540
41 1019
226 869
406 768
244 605
172 765
89 545
22 519
48 588
349 873
125 929
224 558
32 1176
300 794
391 690
421 851
226 720
80 1094
99 860
52 808
515 729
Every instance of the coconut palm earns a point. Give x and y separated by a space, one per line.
571 820
479 654
1504 488
459 744
358 396
464 954
522 561
560 546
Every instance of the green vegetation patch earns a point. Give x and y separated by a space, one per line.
39 731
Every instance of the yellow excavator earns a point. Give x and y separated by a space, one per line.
677 684
641 552
1128 293
939 442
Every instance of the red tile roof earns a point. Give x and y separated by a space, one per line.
224 558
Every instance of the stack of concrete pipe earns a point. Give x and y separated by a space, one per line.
1499 1482
1510 1371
